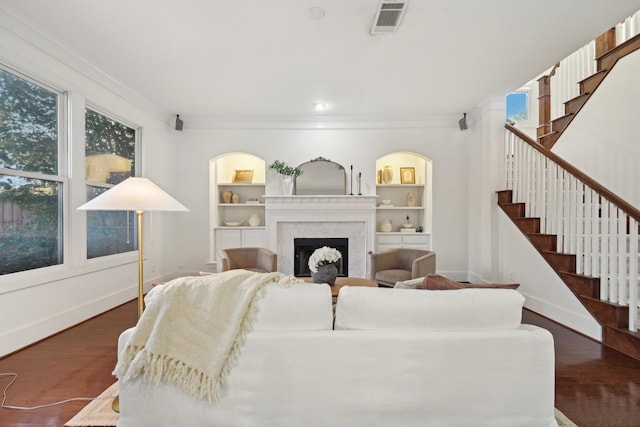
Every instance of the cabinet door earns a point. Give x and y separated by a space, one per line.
228 239
255 238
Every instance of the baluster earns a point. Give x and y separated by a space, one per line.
623 259
604 250
633 274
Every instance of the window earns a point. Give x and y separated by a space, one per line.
518 106
110 149
30 182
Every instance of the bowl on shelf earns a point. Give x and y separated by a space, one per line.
407 225
386 202
233 223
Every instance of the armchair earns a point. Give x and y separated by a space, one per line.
394 265
255 259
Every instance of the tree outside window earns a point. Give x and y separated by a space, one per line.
30 184
110 149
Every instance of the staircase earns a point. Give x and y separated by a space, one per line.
587 234
549 132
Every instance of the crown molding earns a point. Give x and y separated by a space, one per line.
320 122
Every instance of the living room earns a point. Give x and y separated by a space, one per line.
467 232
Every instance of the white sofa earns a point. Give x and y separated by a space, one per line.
392 358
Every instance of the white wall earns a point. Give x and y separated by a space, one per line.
603 138
37 303
446 146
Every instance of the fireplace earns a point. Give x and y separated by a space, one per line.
304 247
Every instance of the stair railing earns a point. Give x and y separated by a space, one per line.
564 84
590 221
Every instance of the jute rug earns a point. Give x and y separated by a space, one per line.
98 413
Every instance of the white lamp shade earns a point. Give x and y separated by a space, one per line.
134 194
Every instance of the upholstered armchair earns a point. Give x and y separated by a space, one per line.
255 259
394 265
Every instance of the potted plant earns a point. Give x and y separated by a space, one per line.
322 264
285 175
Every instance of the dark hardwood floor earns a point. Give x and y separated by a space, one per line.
595 386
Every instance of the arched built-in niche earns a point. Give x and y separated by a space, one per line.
236 221
404 189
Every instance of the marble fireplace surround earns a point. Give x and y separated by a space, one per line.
317 216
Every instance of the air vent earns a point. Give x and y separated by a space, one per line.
388 17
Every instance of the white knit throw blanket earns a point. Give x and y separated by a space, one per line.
191 333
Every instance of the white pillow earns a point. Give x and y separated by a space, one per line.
301 306
461 309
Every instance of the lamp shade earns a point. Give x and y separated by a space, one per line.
134 194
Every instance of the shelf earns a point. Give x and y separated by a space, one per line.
241 184
399 185
243 227
406 233
404 208
242 205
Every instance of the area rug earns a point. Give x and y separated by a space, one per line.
98 413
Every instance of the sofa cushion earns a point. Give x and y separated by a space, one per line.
464 309
302 306
436 282
392 276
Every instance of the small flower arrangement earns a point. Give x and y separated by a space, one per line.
323 256
284 169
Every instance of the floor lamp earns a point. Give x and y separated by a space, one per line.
139 195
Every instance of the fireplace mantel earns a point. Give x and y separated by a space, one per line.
353 217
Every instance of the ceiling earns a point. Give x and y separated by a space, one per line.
270 59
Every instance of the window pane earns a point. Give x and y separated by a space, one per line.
30 224
517 107
110 158
28 126
109 232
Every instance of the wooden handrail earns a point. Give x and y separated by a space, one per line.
627 208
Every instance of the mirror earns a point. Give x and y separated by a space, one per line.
321 177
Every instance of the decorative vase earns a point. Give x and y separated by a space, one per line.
274 183
226 196
235 198
287 185
387 174
254 220
386 226
411 199
379 176
326 274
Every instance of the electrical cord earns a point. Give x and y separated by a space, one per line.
28 408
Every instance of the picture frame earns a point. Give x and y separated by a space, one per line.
408 175
242 176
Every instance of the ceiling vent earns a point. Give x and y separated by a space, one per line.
388 17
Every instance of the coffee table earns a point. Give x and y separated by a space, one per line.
346 281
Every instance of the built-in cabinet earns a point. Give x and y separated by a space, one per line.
403 188
237 188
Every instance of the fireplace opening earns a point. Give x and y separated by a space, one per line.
303 249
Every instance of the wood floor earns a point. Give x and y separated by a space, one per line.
595 386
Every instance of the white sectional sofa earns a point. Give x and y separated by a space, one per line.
391 358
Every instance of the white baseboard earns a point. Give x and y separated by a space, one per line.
585 325
18 338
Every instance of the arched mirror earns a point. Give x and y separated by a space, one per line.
321 177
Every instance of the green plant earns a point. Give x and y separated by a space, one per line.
284 169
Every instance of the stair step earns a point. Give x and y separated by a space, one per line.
544 242
548 140
527 225
504 196
575 104
622 340
581 285
514 209
560 262
560 124
590 83
607 313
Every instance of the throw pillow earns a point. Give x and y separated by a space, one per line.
436 282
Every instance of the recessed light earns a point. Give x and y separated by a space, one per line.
319 106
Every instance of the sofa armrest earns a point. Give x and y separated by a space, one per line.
224 259
424 265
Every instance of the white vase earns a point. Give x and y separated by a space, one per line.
287 185
273 183
254 220
411 199
386 226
